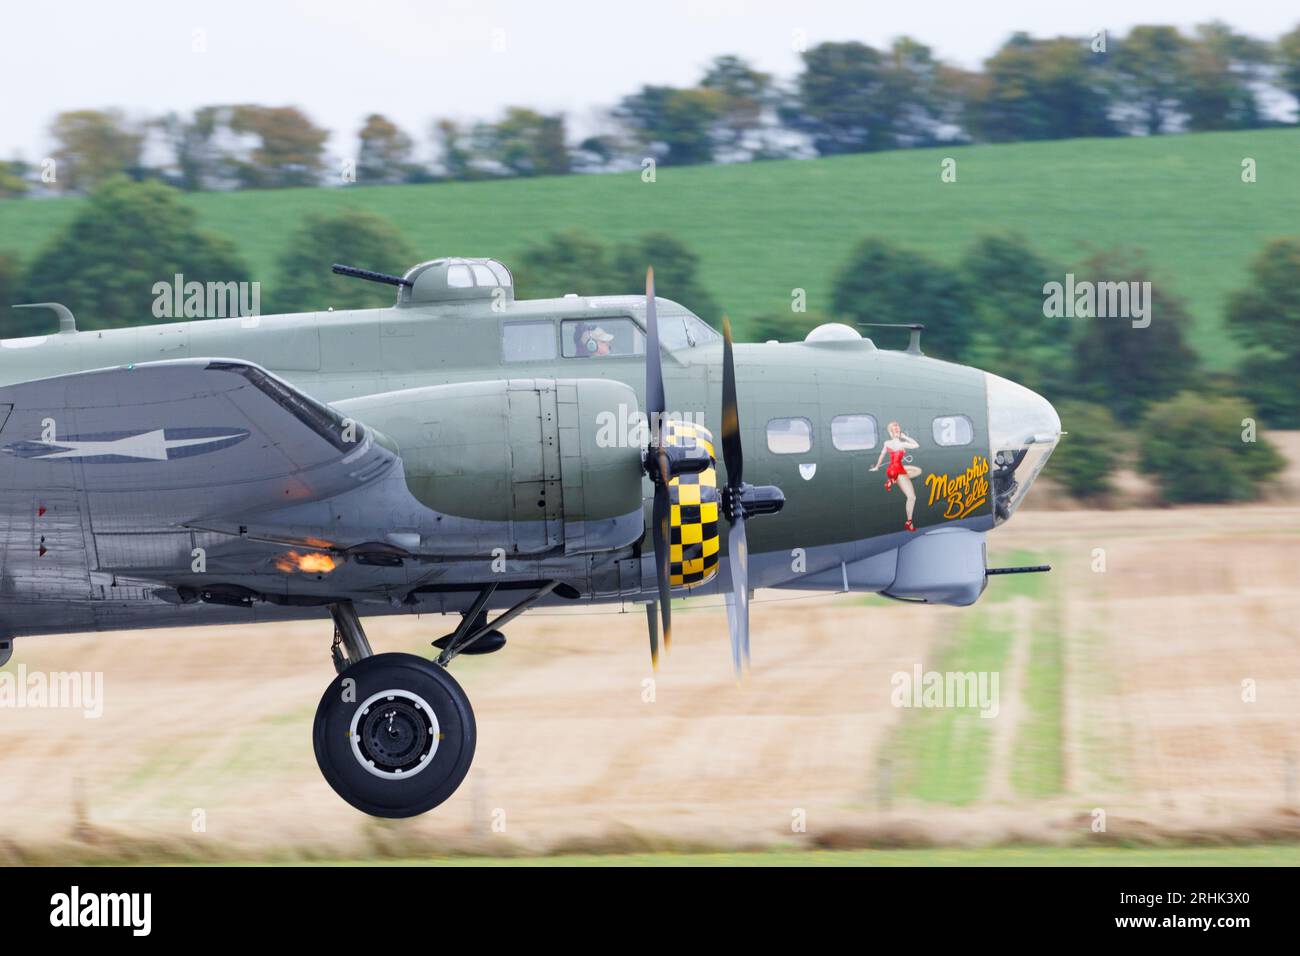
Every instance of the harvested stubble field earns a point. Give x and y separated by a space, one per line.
1154 678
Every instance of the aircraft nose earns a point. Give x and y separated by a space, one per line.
1023 430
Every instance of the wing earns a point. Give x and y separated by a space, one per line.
151 450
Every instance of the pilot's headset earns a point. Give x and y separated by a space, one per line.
584 341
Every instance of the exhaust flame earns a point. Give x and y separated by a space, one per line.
312 562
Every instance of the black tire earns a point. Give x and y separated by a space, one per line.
402 761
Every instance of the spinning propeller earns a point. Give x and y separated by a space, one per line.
664 461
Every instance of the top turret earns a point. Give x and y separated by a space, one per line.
455 280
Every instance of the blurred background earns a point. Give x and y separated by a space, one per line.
790 167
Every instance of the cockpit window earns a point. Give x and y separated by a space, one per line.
483 275
459 277
680 328
601 338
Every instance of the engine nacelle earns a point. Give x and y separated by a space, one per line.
524 462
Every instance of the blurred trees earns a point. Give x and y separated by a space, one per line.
1011 335
848 97
13 179
455 152
746 96
782 326
353 237
851 98
677 272
883 282
92 146
573 261
198 160
12 323
1163 81
1124 367
1039 89
1222 69
127 237
566 261
1088 456
1148 70
383 152
675 125
1265 318
1288 55
1198 448
244 146
287 148
525 143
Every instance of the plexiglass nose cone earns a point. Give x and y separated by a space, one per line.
1023 430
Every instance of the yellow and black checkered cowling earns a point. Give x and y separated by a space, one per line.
693 551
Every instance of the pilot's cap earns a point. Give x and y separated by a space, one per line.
594 335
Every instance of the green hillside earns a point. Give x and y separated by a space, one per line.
763 229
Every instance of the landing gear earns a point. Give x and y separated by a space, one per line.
487 642
350 642
474 627
394 735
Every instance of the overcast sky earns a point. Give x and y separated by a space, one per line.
342 59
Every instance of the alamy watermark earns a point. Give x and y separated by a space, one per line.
1102 300
21 689
629 428
179 299
943 689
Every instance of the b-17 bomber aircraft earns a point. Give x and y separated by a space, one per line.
467 453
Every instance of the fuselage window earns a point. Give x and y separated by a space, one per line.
953 430
528 341
853 432
601 338
789 436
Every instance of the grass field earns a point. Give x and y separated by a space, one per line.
1121 736
764 229
1281 855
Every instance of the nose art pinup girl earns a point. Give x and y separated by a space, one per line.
897 472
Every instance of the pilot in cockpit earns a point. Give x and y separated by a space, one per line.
592 341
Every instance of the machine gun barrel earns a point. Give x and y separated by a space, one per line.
342 270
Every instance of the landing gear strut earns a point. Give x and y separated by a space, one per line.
394 733
349 637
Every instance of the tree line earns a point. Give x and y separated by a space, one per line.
848 97
1122 391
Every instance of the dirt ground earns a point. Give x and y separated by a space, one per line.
1180 709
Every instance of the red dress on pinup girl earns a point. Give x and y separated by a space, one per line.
895 467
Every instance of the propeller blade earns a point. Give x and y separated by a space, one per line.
738 622
655 403
661 533
652 623
731 453
733 629
654 373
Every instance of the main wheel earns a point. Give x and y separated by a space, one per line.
394 735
